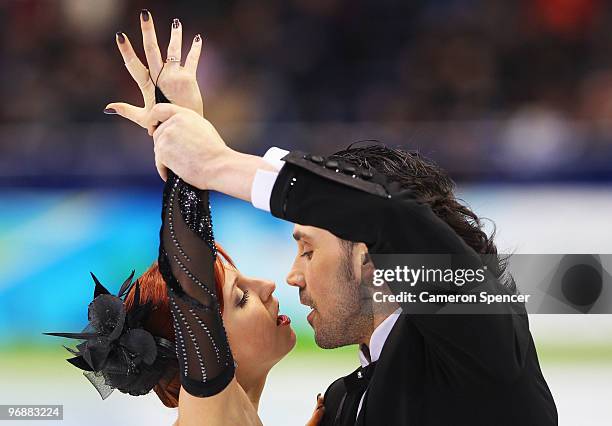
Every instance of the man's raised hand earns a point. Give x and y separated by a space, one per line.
187 144
191 147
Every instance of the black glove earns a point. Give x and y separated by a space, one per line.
187 255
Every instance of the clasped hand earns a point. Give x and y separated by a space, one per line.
184 141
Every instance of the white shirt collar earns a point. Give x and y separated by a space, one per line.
379 337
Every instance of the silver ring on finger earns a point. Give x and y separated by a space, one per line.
173 59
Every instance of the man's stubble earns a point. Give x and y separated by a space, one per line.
350 322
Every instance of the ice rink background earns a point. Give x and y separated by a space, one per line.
50 240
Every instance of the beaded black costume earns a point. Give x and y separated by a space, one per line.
187 255
186 260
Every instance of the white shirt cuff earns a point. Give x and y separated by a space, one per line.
264 180
273 156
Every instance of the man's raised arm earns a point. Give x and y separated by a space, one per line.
355 205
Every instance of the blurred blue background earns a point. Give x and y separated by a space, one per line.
514 99
51 240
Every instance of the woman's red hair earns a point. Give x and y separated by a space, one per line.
159 323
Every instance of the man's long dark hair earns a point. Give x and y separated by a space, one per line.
431 185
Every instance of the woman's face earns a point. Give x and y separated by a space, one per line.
259 336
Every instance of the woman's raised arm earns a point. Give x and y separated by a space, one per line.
210 394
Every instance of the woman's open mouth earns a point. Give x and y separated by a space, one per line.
283 320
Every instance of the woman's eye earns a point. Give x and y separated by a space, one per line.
307 254
243 300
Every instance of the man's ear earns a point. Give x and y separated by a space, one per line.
365 262
364 255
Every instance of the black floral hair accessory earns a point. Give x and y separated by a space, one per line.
118 353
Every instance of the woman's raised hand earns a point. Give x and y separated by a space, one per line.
178 82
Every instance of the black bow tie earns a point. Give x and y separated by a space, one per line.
356 384
360 378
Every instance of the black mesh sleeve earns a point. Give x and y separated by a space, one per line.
187 255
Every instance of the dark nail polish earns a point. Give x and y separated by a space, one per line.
145 15
198 38
176 23
120 37
110 111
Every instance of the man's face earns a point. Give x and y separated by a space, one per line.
327 273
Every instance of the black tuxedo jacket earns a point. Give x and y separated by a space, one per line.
450 370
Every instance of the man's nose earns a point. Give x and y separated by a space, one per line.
295 278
